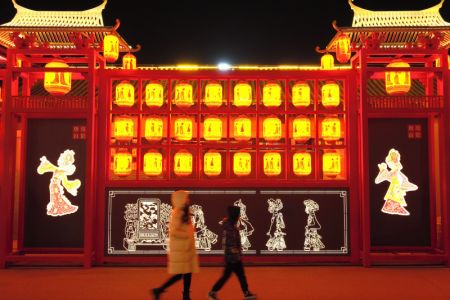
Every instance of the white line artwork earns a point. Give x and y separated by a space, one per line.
245 227
59 205
204 238
276 235
313 241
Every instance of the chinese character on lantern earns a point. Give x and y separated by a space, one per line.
272 129
301 94
330 95
182 163
57 83
331 129
301 129
129 62
183 95
242 130
154 94
183 129
111 48
272 95
243 95
398 82
123 128
213 94
331 164
152 163
212 129
272 163
242 164
301 163
123 162
212 163
153 130
124 94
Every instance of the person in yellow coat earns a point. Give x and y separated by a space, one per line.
182 256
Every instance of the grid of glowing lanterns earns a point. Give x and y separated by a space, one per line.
284 120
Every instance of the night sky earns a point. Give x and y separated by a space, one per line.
233 31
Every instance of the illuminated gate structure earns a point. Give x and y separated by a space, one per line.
344 163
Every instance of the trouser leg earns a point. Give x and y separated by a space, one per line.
238 268
226 274
187 282
171 281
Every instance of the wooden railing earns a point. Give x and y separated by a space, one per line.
50 103
405 102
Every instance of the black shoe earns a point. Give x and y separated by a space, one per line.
155 293
212 296
249 295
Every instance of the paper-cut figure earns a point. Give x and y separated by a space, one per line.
245 227
399 184
204 238
313 241
275 233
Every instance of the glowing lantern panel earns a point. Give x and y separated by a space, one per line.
153 163
129 62
182 163
242 164
183 95
213 95
330 95
153 129
343 51
331 129
123 164
124 94
331 164
398 82
212 129
123 128
243 95
57 83
272 163
183 129
212 163
242 130
111 48
154 95
301 129
327 62
302 163
301 94
272 129
272 95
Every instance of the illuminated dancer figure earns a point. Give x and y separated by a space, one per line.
59 205
245 227
276 239
313 241
399 184
204 238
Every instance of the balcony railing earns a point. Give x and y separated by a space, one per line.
50 103
405 102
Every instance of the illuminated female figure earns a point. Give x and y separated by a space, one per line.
313 241
204 238
276 239
59 205
245 227
399 184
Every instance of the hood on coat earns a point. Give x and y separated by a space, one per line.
179 198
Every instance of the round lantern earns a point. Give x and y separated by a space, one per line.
154 94
331 129
183 95
123 128
301 163
343 51
272 95
330 95
242 164
398 82
153 130
327 62
272 129
212 129
123 162
212 163
242 129
124 94
183 129
152 163
243 95
272 163
111 48
213 94
129 62
57 83
301 129
301 94
182 163
331 164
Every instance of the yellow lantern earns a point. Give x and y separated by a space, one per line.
301 129
154 94
153 129
272 129
242 164
243 94
272 95
183 129
343 51
123 162
331 164
183 95
213 94
398 82
242 129
152 163
111 48
330 95
182 163
327 62
272 163
212 163
57 83
123 128
129 62
124 94
301 163
331 129
212 129
301 94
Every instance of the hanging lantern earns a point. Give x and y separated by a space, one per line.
183 129
153 129
129 62
154 94
212 163
183 95
272 163
301 94
272 129
124 94
243 95
57 83
301 129
182 162
331 164
123 128
398 82
111 48
213 94
123 162
302 163
242 163
343 51
272 95
242 130
330 95
331 129
212 129
152 163
327 62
